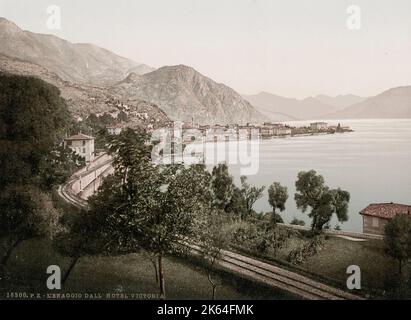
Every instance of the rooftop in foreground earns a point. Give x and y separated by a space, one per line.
386 210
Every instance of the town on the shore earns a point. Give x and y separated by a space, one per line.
265 131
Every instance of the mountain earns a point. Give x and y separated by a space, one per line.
185 94
276 107
86 71
82 100
79 63
393 103
340 101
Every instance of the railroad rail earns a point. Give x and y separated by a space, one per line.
246 267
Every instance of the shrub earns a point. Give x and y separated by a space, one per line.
272 238
307 249
297 222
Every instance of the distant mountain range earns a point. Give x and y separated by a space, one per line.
279 108
79 63
394 103
340 101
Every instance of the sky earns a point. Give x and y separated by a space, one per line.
293 48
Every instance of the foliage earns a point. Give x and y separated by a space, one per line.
237 204
262 238
146 206
251 194
323 201
398 239
277 197
58 166
33 120
297 222
307 249
271 240
222 186
25 212
214 235
271 217
27 136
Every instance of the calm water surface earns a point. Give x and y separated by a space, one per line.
373 164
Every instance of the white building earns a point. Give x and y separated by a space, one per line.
81 144
318 126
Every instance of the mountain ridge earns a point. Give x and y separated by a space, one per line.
185 94
391 103
83 63
272 105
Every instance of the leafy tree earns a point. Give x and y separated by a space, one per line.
237 205
323 201
27 136
150 207
33 120
215 235
251 194
277 197
26 212
297 222
58 166
398 239
122 116
271 238
222 186
84 232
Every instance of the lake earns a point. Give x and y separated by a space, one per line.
373 163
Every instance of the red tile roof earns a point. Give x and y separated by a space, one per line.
386 210
79 136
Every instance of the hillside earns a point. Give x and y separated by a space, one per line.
78 63
393 103
83 100
183 93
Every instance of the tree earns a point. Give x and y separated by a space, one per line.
58 166
251 194
85 232
323 201
26 212
27 141
398 239
122 116
27 136
215 235
151 207
222 186
237 205
277 197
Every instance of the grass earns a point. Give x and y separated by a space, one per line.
379 272
186 278
377 269
131 274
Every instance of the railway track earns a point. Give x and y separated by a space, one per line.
250 268
274 276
